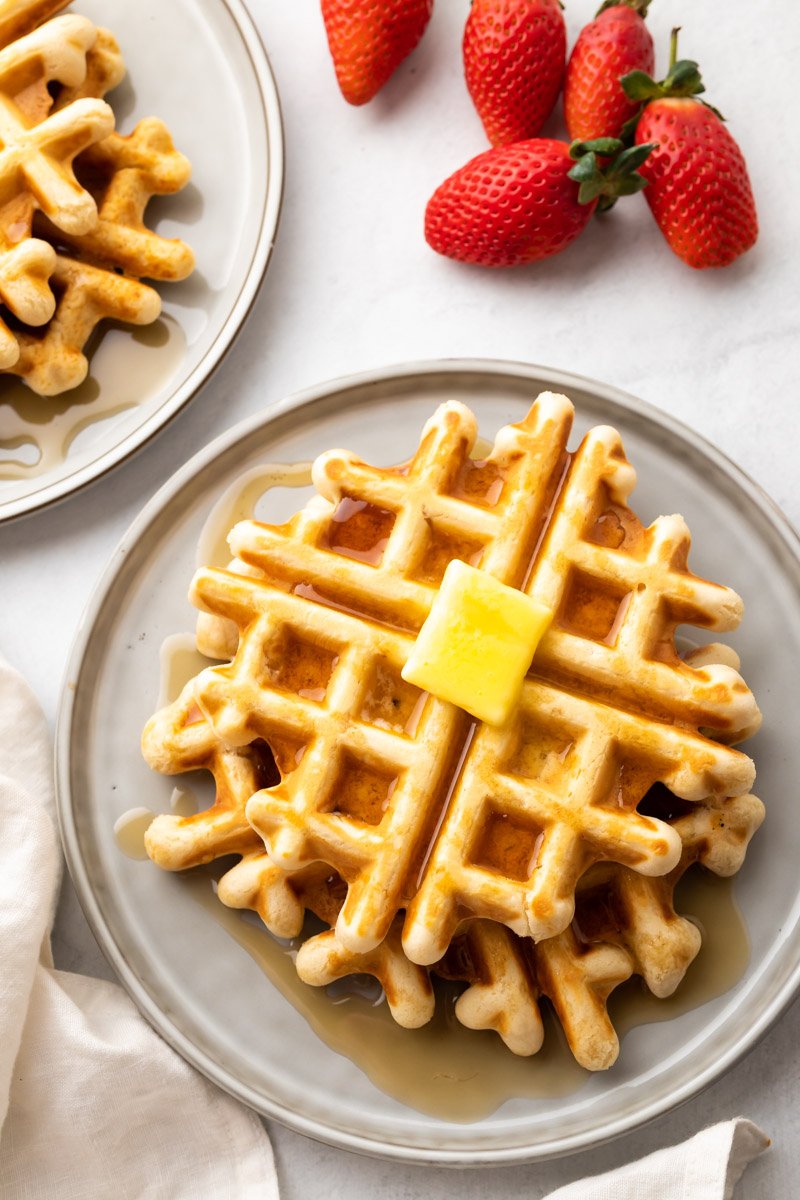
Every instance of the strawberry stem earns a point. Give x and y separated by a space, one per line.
682 80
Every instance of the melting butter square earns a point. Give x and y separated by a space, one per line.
477 643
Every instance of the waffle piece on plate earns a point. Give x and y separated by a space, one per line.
18 17
327 626
51 359
179 739
96 262
123 174
323 611
501 994
37 149
624 924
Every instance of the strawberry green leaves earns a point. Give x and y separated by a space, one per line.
682 80
606 183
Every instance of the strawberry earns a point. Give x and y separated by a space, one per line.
521 203
514 54
699 190
615 43
368 40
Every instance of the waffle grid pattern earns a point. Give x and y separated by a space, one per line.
324 627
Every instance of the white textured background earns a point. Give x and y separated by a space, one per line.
352 285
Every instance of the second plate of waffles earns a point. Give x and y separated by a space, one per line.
142 167
496 933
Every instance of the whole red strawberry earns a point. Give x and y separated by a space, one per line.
520 203
699 191
514 54
368 40
615 43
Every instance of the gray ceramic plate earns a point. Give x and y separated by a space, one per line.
203 70
197 986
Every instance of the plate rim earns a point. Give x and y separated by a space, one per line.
76 482
342 1139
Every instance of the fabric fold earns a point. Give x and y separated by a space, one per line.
92 1102
706 1167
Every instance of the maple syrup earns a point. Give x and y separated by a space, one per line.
709 902
359 530
127 369
179 661
241 502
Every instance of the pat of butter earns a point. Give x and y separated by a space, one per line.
477 643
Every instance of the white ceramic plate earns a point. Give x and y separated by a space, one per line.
202 69
202 991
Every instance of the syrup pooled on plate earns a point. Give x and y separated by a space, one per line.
129 368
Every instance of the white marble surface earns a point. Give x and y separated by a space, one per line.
353 285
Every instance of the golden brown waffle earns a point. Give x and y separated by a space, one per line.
624 923
501 995
36 162
116 178
51 359
18 17
327 627
626 714
123 174
625 920
181 740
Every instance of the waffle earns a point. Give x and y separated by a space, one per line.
95 264
18 17
123 174
179 740
37 149
307 636
501 995
624 924
326 627
52 360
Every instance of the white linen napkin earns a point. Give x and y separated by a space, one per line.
93 1104
707 1167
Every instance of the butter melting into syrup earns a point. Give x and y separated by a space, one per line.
443 1069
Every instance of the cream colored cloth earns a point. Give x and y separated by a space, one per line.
707 1167
93 1104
